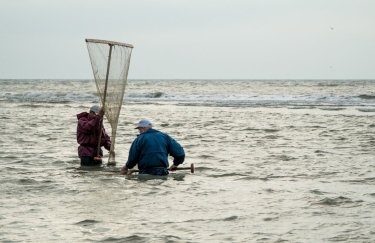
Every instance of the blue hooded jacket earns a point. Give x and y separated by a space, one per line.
151 149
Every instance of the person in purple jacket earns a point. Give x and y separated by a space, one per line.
88 130
150 151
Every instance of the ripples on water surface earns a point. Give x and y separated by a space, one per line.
271 172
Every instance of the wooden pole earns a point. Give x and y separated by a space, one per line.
104 98
191 168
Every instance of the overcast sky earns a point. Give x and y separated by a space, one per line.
192 39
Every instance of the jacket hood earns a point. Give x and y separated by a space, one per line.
82 114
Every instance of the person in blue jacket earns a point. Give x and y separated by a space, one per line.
150 151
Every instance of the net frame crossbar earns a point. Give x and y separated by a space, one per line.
109 42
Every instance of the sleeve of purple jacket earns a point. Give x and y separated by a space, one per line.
88 126
106 140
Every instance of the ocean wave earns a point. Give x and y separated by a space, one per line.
132 238
145 95
87 222
327 84
339 201
366 97
47 97
331 102
366 109
213 93
332 108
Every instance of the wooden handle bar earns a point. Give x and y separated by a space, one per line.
191 168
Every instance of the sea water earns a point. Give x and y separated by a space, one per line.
276 161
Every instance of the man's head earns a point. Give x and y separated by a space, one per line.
95 109
143 125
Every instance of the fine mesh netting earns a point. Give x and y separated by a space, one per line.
110 64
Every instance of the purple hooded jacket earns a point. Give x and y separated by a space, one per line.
88 135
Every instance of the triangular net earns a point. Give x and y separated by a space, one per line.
110 64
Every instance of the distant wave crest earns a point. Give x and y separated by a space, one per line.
47 97
214 93
366 97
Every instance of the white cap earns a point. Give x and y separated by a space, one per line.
95 109
144 123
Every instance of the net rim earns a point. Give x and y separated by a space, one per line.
109 42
